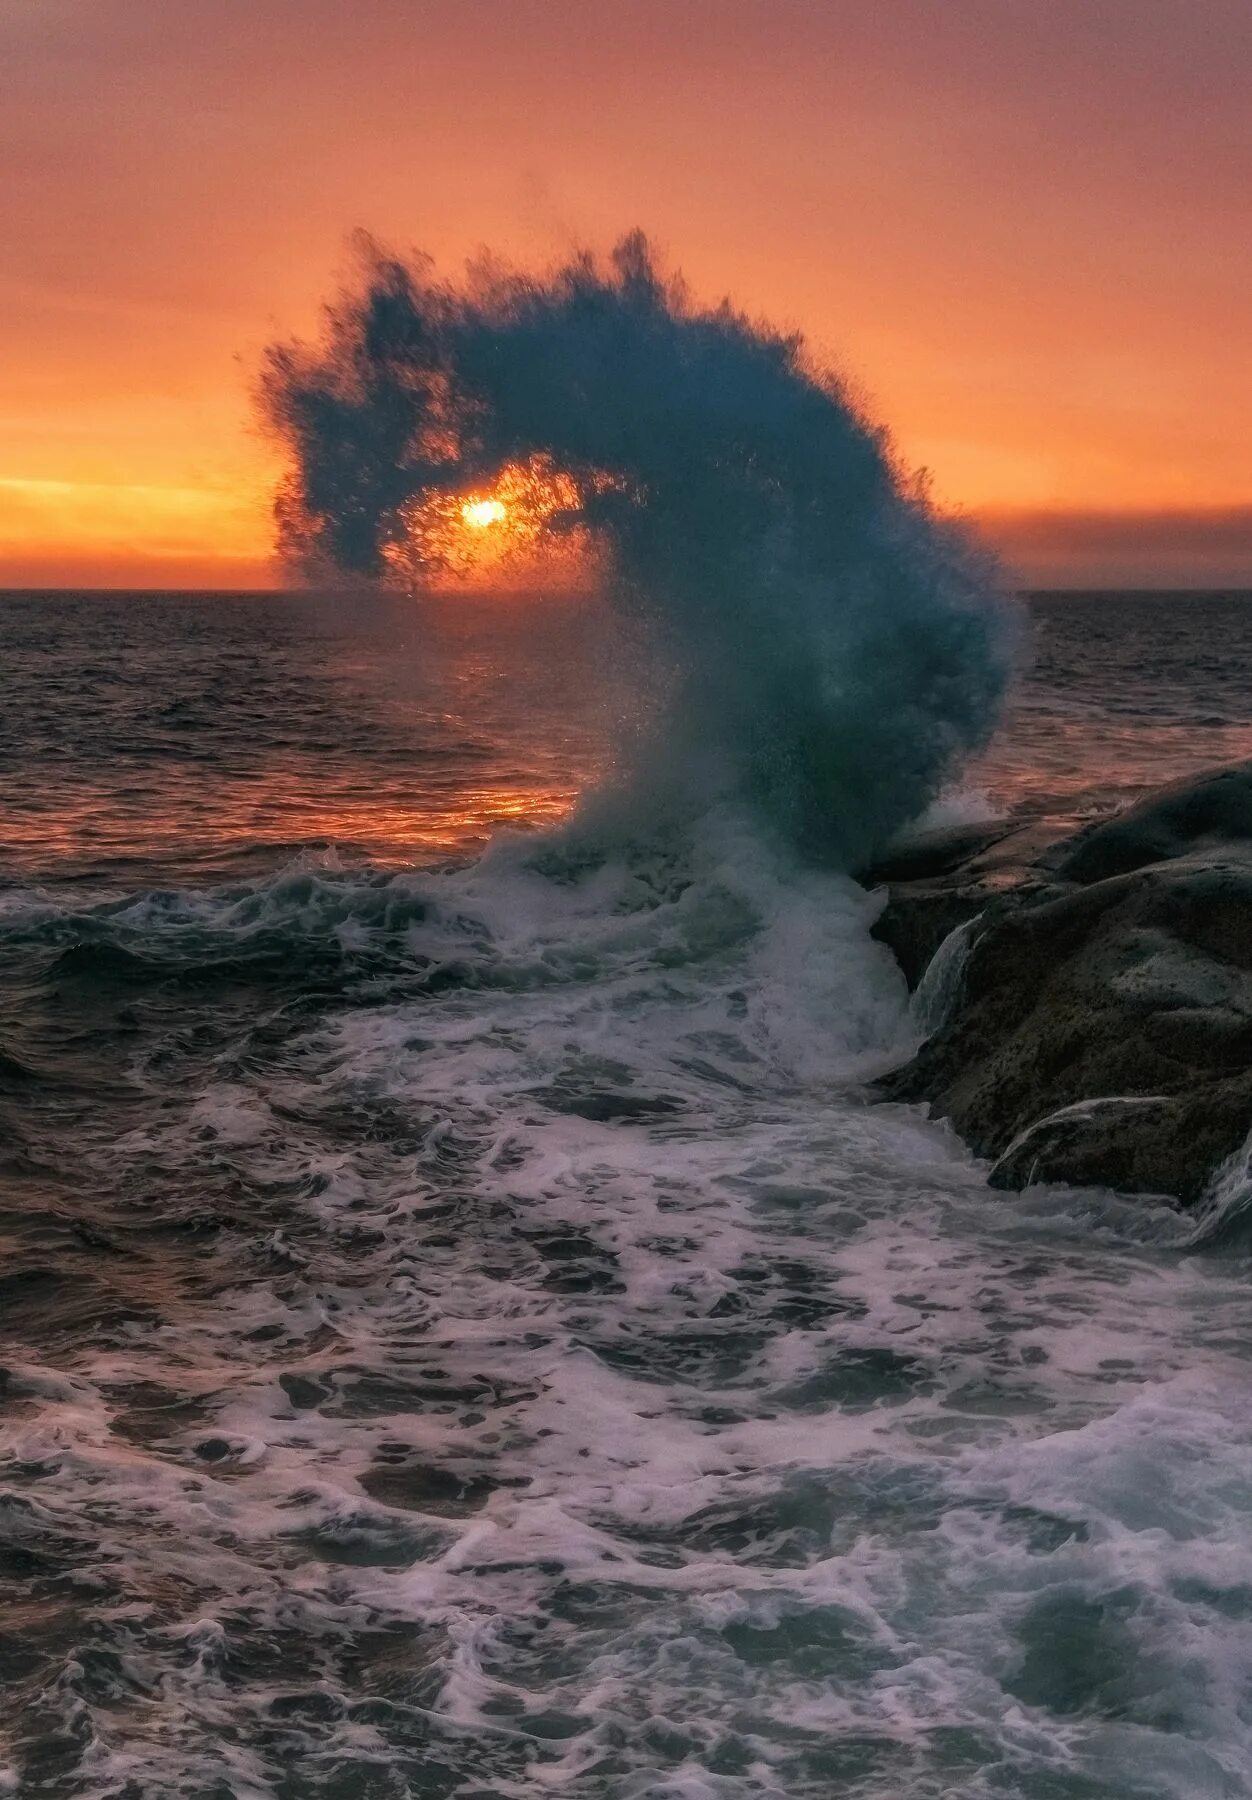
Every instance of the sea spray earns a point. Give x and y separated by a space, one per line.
832 647
465 1332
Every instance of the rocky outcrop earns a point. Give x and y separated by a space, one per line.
940 880
1210 814
1102 1032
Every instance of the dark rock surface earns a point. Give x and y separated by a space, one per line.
949 851
1103 1030
1211 812
944 878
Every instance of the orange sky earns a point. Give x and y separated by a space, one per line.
1019 225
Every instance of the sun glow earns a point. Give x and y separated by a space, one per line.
482 513
525 529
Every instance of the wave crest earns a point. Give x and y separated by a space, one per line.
832 647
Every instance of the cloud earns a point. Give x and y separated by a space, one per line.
1105 547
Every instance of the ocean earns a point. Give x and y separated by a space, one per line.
466 1331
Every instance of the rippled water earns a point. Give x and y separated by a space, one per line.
466 1332
1122 692
181 736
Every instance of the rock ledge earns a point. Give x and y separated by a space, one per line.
1102 1028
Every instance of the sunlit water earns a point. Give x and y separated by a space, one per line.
467 1332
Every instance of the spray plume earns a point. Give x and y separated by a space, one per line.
835 647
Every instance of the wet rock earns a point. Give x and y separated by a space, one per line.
932 855
1210 812
1103 1030
945 878
915 920
1113 1142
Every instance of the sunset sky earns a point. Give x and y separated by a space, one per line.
1019 226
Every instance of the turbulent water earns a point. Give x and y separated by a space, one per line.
827 645
465 1330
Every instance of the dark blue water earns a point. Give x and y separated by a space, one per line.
179 737
464 1332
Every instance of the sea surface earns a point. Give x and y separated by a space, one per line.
465 1331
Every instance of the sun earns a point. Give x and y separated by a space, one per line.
519 525
481 513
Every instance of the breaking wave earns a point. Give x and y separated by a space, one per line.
830 648
464 1331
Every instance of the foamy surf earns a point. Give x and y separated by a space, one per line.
546 1374
469 1332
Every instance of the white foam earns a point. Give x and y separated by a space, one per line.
803 1441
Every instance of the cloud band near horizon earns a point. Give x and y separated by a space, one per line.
214 539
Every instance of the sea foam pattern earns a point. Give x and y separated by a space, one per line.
483 1343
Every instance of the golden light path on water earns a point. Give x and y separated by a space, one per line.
413 727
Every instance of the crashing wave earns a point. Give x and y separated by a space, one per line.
831 647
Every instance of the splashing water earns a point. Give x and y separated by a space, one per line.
465 1334
835 648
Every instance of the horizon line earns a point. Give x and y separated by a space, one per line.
1209 588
